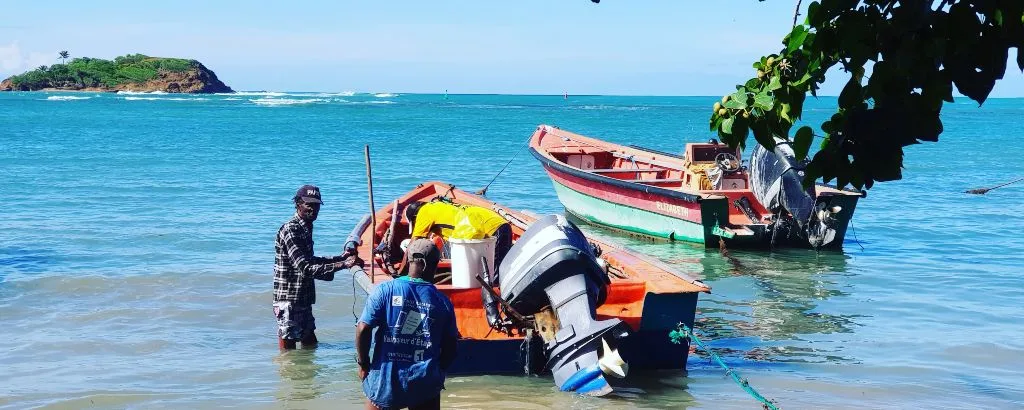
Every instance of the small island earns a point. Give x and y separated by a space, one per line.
132 72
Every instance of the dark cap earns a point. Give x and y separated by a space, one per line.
307 194
425 249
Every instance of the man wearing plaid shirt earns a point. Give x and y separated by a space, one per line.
295 268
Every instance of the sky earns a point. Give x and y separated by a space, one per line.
617 47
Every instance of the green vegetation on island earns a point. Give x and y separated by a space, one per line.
135 72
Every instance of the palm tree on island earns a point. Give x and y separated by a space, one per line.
63 56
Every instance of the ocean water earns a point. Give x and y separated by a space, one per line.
137 230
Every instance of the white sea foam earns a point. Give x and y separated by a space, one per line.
385 95
232 99
65 98
286 101
341 94
255 93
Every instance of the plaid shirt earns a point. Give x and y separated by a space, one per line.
295 267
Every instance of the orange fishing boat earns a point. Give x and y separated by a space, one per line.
634 301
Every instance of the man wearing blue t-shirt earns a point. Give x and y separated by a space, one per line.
415 340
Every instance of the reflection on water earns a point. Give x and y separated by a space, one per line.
299 370
764 306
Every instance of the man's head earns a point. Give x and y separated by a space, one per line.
423 258
410 213
307 202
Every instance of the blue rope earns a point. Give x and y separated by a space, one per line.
685 332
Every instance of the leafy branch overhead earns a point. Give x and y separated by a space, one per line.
903 59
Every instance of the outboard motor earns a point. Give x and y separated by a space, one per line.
777 182
552 269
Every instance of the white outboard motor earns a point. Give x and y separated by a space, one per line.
553 264
777 182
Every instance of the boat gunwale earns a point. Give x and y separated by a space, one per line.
547 159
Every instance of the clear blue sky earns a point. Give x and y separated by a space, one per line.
631 47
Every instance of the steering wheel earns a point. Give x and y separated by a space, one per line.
727 162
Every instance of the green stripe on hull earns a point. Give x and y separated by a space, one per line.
628 218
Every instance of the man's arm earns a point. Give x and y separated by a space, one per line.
305 263
373 316
363 334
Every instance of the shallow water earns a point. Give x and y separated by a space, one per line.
136 253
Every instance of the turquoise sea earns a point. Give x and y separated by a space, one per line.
137 238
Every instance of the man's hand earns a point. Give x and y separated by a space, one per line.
362 373
351 261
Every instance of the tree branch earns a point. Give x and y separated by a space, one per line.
796 13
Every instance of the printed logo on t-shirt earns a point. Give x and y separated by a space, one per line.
396 300
411 322
417 356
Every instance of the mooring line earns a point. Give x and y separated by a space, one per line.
685 332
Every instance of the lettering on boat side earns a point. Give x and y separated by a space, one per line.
672 209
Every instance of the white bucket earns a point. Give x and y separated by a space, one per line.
465 259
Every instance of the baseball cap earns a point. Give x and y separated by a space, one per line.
425 249
308 193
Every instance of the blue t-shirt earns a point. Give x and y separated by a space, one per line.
412 319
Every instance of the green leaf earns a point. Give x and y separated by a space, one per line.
716 122
812 14
764 101
775 83
738 100
784 110
796 38
851 95
727 125
802 142
1020 51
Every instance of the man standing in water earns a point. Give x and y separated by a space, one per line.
416 336
295 267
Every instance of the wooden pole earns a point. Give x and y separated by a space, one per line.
373 214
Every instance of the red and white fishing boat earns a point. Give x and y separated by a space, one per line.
706 195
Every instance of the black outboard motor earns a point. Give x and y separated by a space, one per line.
553 264
777 182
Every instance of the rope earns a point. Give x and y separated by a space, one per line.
855 234
982 191
484 190
684 332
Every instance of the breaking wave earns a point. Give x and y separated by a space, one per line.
286 101
65 98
